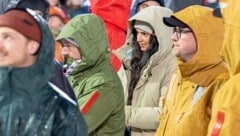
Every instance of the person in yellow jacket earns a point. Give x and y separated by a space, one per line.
197 40
225 119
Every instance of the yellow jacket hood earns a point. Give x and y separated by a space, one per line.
208 30
231 49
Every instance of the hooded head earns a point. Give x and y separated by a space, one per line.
229 10
150 19
208 32
88 31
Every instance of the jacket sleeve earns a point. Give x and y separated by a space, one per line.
142 117
225 120
100 104
70 123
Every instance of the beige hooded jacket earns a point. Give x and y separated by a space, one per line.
226 106
187 107
143 114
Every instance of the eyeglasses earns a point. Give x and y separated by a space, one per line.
179 31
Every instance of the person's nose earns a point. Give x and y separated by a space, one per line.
139 38
174 36
1 43
65 51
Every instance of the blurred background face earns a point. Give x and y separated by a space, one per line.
147 4
77 2
55 22
143 39
53 2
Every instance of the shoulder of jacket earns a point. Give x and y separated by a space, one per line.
62 94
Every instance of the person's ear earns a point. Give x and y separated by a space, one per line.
33 47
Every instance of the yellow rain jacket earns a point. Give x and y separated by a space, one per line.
186 110
226 106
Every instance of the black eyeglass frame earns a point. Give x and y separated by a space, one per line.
179 31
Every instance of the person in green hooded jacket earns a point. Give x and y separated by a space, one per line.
95 83
29 103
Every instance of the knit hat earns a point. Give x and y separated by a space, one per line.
23 22
56 11
143 26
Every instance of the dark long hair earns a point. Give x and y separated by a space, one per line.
139 60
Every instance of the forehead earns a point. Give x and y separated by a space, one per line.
55 18
4 29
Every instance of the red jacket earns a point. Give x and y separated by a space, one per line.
115 14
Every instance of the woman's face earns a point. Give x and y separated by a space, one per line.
143 39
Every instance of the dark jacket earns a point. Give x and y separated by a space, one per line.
31 105
61 81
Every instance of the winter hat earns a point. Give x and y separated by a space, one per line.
143 26
56 11
23 22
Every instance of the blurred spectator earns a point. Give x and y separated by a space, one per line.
54 3
57 20
115 14
138 5
75 7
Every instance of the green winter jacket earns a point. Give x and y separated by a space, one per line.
32 106
96 85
